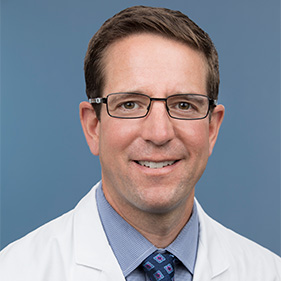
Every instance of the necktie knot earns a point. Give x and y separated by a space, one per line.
159 266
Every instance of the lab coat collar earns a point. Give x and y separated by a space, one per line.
90 242
213 255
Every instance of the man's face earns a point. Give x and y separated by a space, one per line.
129 148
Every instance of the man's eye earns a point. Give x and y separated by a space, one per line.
183 105
129 105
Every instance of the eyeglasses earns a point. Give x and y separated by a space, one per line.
136 105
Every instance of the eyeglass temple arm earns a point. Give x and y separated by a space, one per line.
98 100
213 102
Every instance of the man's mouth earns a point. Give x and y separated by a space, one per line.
155 165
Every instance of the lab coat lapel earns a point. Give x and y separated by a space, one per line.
212 258
93 253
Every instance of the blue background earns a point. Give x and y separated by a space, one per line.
46 166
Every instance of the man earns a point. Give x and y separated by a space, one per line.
152 81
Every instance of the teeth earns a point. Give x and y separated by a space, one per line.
156 165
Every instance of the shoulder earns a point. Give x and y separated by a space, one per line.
43 246
241 253
242 248
47 233
49 247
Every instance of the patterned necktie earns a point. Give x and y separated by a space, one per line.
159 266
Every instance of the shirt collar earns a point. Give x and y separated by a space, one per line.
184 247
131 248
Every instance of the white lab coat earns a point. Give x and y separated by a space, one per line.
74 247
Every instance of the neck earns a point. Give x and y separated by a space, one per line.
160 229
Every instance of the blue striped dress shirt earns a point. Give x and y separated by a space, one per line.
131 248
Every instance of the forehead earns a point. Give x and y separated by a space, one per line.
142 60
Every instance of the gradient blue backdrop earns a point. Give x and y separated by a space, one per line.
46 166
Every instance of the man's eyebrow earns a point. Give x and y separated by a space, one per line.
127 93
134 92
120 95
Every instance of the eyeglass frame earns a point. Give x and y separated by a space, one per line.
100 100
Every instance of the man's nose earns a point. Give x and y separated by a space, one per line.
157 127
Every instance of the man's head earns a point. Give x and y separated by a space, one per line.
151 164
140 19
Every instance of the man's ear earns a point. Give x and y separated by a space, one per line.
214 125
90 125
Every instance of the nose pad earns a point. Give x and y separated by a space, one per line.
157 127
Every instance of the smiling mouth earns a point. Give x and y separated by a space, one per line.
156 165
